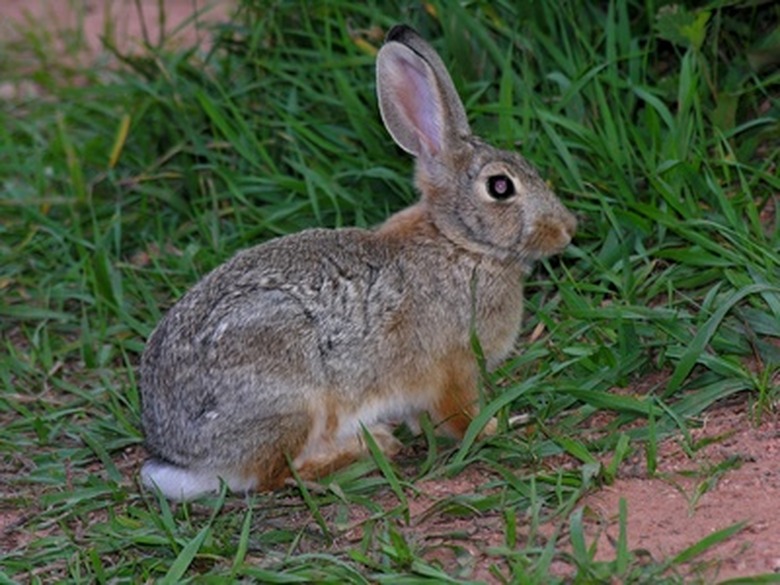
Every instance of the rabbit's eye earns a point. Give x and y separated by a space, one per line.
500 187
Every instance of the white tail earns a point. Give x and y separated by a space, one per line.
178 483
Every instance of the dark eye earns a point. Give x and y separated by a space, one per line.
500 187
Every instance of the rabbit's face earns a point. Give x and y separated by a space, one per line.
502 207
485 200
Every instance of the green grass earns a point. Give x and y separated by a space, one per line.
659 128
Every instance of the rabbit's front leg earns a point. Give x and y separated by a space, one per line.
457 401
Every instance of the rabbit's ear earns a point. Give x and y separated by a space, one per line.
417 99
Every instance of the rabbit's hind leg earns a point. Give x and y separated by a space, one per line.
270 466
315 445
331 455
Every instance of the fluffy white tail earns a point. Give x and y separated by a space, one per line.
179 483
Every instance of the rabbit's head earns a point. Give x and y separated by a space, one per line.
486 200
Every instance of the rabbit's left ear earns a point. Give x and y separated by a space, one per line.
417 99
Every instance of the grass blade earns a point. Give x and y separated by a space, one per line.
185 558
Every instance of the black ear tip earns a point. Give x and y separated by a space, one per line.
400 32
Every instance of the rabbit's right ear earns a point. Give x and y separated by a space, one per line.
417 99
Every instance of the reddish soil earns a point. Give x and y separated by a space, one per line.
128 23
729 473
734 477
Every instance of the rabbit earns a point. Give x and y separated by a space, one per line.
286 354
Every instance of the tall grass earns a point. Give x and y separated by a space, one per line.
657 125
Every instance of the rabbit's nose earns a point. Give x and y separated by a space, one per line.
552 233
569 224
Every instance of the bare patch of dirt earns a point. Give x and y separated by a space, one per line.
126 23
734 476
66 38
728 473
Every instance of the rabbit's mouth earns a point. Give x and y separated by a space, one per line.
551 236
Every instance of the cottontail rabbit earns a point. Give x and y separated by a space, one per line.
286 352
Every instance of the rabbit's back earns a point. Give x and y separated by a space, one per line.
245 354
346 317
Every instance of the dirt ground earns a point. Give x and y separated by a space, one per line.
733 477
128 23
730 475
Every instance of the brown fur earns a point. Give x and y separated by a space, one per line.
457 400
270 466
